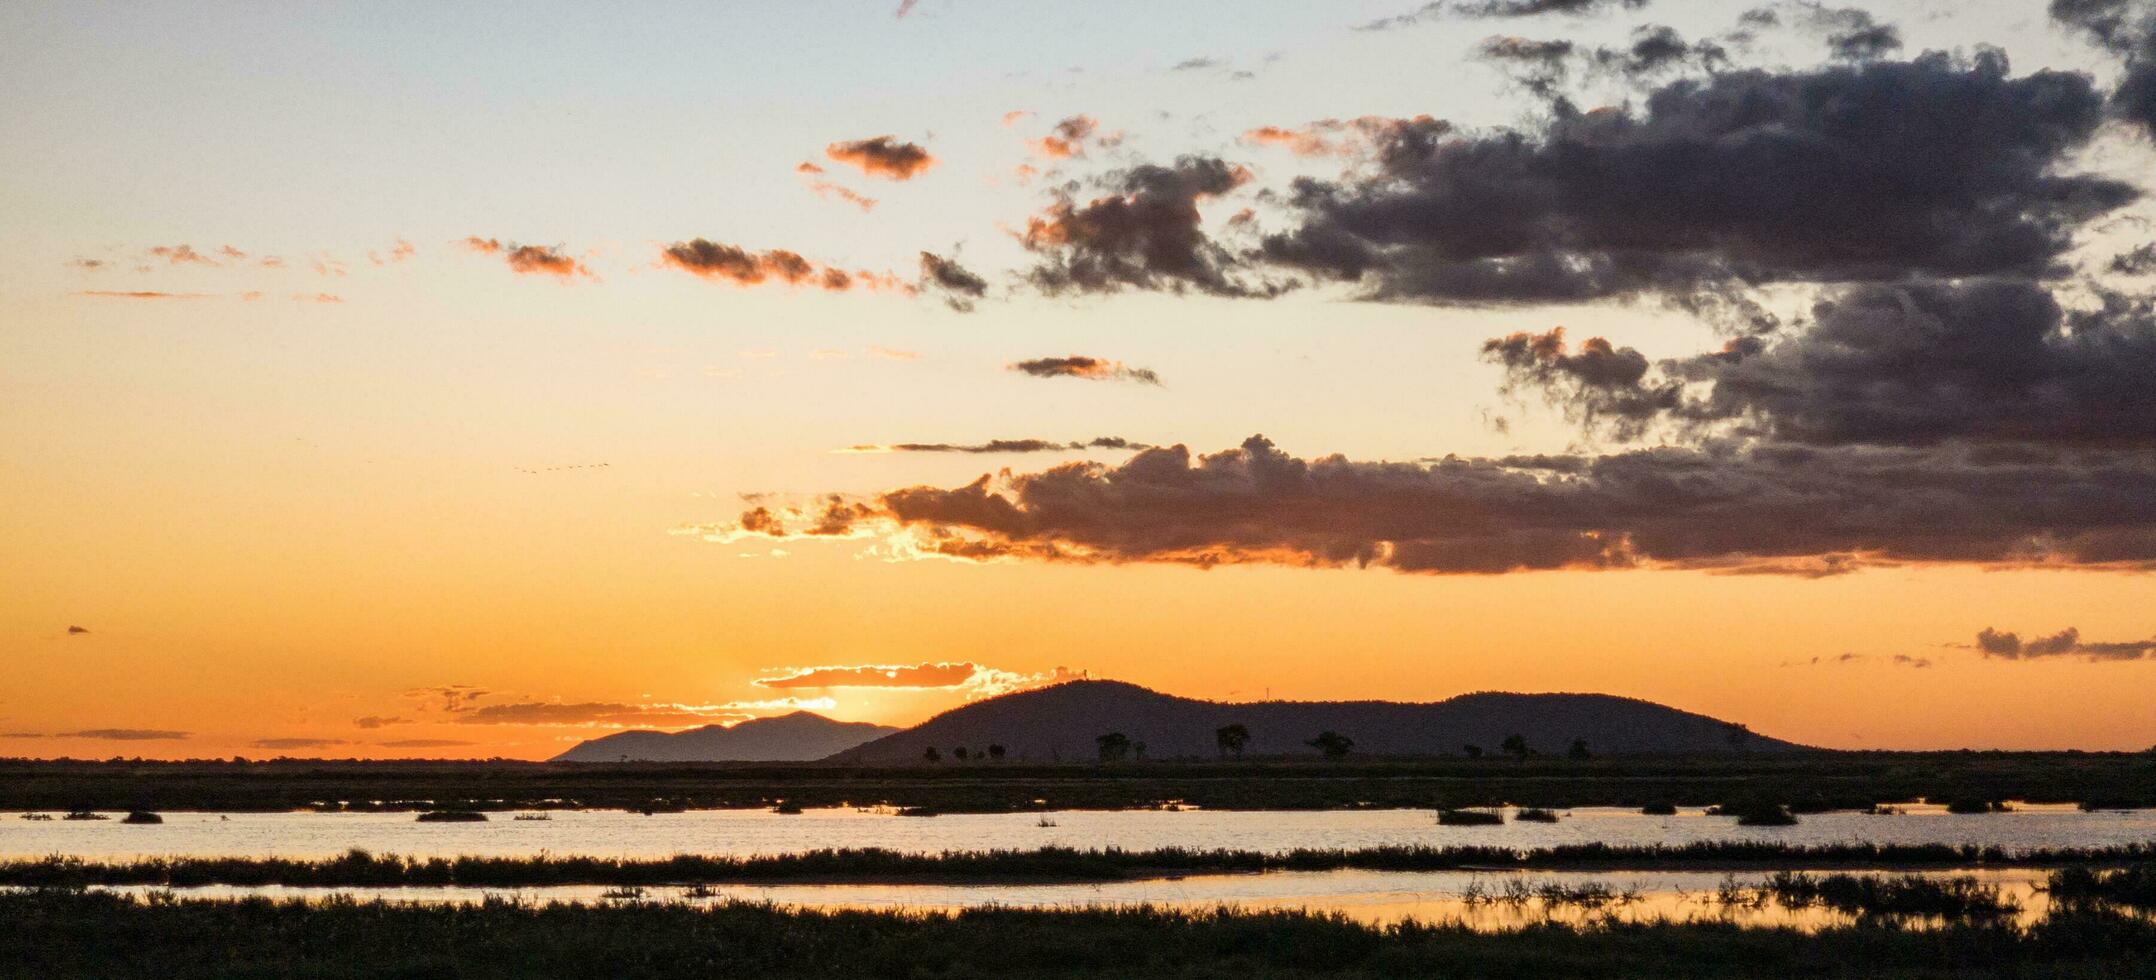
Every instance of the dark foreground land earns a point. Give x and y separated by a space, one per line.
75 934
1804 781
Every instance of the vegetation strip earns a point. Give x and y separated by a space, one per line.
63 934
360 869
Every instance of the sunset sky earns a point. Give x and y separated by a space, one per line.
471 380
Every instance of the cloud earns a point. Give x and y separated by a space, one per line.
126 734
1846 659
1918 363
830 191
1070 137
1721 507
1013 117
424 743
732 264
882 156
1356 137
536 260
1002 446
975 680
1145 233
904 7
379 721
296 743
1088 368
397 253
2065 643
181 255
1197 64
604 714
88 265
77 630
139 294
1876 171
447 697
959 286
1483 9
2127 29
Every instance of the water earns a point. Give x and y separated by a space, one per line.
610 833
1377 897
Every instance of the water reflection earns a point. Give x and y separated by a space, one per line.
747 832
1483 900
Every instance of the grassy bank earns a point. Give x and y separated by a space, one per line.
66 934
1804 781
360 869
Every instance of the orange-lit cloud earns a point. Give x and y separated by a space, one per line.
882 156
830 191
181 255
1015 116
1087 368
1070 137
735 265
397 253
971 679
139 294
542 260
1342 137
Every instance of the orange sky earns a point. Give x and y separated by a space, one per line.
346 362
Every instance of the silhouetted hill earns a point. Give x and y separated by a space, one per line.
1061 722
798 737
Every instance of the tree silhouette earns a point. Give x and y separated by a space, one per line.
1137 750
1737 735
1579 749
931 754
1231 739
1114 746
1516 747
1333 744
1473 751
995 751
960 752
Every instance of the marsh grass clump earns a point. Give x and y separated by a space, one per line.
787 808
1885 810
1973 805
142 817
1961 898
84 815
1534 815
1469 818
1659 808
2133 886
37 816
1756 813
452 816
917 811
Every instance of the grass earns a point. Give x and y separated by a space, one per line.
1535 815
69 934
1806 782
1961 898
142 816
1659 809
1469 818
452 816
361 869
2133 886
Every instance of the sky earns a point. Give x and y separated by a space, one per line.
410 380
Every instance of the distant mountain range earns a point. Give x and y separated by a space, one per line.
798 737
1062 723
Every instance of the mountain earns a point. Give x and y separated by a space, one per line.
798 737
1061 723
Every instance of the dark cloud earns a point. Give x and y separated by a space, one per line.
2126 28
1003 446
379 721
1070 137
2065 643
1720 507
536 260
882 156
1145 233
1994 361
1848 659
1197 64
2139 261
126 734
1852 33
76 630
296 743
1496 8
447 697
733 264
1088 368
1543 67
1871 171
959 286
